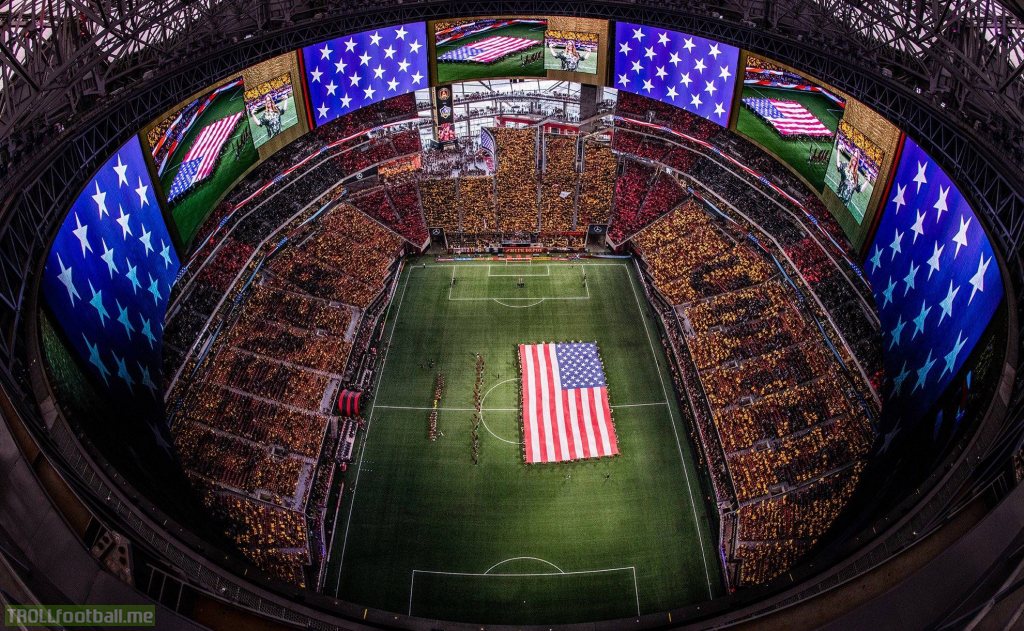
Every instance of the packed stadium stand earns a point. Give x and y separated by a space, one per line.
780 285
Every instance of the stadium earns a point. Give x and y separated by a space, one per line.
433 315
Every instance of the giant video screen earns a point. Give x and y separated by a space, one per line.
199 149
791 116
108 278
274 103
841 148
571 51
488 48
853 169
353 71
689 72
936 283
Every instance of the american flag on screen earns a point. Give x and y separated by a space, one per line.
566 415
936 283
487 50
350 72
789 118
689 72
201 158
109 274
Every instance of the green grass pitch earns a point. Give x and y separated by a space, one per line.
189 213
451 72
423 529
792 152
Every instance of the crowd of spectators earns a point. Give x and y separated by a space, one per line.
476 201
239 465
635 141
516 178
774 533
216 265
440 203
374 115
560 180
405 200
664 195
781 419
631 189
345 259
275 539
597 184
284 429
251 429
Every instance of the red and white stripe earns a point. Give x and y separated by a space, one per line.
561 425
497 47
798 121
209 142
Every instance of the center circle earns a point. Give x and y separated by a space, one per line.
483 409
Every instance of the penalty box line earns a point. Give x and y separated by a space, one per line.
631 568
451 286
547 271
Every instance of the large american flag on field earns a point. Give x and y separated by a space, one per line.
936 283
789 118
201 158
108 277
566 415
689 72
489 49
350 72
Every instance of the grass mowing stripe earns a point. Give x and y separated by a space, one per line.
679 446
369 422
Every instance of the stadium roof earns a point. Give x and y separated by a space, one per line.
59 56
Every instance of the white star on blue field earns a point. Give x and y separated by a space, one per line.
936 284
109 273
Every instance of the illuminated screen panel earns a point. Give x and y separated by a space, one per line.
274 103
838 146
571 51
487 48
109 273
791 116
690 72
936 283
350 72
271 108
199 150
853 169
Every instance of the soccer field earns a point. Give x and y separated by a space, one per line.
450 72
423 530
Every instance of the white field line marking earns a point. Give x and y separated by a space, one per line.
639 405
442 409
503 304
403 407
636 590
488 570
587 297
671 415
498 300
369 423
446 264
412 581
504 440
547 272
